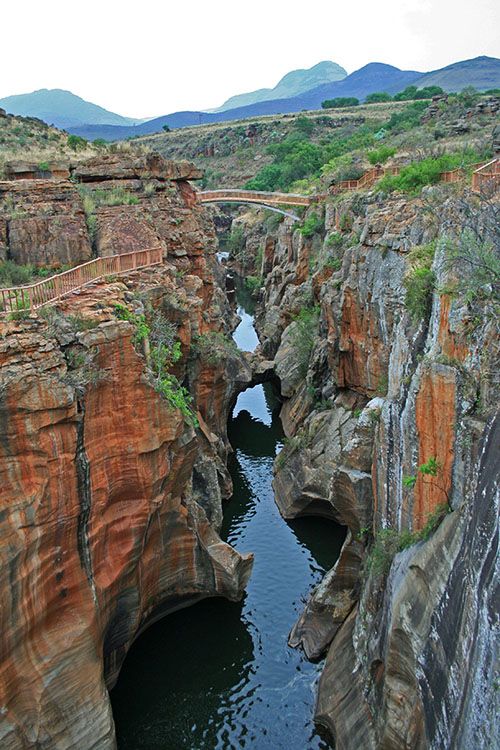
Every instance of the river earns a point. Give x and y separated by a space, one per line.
220 675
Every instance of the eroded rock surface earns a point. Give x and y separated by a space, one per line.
410 637
111 500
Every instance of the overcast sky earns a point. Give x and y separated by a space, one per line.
151 57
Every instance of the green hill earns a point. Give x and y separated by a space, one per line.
292 84
62 109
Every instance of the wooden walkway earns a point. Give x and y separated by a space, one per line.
49 290
485 179
253 196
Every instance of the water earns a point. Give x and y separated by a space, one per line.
220 675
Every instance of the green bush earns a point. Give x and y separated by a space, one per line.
411 92
313 224
388 542
236 242
76 143
303 336
407 118
378 96
420 282
165 352
304 125
253 283
415 176
380 155
340 101
13 275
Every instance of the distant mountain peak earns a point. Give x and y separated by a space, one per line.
62 108
292 84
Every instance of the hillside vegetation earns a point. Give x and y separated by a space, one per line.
33 141
306 152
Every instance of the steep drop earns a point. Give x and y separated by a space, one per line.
220 675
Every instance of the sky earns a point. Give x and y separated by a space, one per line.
150 57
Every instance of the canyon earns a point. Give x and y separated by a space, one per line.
112 492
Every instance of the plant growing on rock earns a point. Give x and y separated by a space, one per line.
303 336
82 368
162 351
213 347
420 282
313 224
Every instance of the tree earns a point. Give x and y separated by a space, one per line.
340 101
166 128
405 95
378 96
76 143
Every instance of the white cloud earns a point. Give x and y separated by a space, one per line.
152 57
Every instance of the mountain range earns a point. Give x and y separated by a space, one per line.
65 110
292 84
62 109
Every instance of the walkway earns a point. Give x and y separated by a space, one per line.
253 196
48 290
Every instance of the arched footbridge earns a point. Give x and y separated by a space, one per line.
271 201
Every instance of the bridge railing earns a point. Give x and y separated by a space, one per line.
253 196
32 296
487 177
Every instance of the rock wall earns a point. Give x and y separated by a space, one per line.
112 204
406 617
111 500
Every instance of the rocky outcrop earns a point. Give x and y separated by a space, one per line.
111 499
44 223
148 166
122 204
385 394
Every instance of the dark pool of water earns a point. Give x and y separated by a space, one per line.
220 675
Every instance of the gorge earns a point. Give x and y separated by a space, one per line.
122 407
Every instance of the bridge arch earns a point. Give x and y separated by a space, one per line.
270 201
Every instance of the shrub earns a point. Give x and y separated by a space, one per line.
468 96
476 264
388 542
313 224
213 347
304 125
253 283
76 143
236 242
340 101
415 176
407 119
378 96
82 368
419 282
380 155
165 352
13 275
303 336
335 240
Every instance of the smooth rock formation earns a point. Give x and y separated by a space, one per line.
110 500
409 629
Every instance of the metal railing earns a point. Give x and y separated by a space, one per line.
32 296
